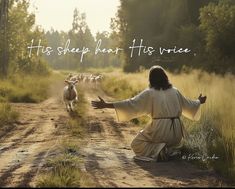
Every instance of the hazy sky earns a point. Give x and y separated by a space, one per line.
59 13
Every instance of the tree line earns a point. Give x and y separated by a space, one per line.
80 36
204 26
17 28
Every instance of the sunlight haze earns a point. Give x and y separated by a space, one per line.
59 14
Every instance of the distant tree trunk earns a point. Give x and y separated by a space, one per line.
4 55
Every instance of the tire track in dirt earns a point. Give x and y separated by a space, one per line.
24 149
109 158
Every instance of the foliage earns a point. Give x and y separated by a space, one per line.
217 21
202 26
4 59
21 29
218 25
80 37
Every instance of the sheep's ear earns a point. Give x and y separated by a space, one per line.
66 81
75 82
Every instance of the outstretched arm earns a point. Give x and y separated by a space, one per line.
191 108
127 109
101 104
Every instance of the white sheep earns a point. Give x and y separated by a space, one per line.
77 77
98 79
92 79
74 78
70 94
69 76
80 77
86 79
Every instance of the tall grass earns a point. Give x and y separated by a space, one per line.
20 88
121 86
99 70
7 114
24 88
215 132
65 171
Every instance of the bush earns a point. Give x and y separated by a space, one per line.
20 88
7 115
65 172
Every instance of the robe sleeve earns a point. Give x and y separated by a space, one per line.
190 108
133 107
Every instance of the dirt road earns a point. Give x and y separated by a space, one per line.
107 157
24 149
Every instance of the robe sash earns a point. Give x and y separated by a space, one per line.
173 125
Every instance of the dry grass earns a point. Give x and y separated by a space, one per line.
7 114
20 88
215 132
65 170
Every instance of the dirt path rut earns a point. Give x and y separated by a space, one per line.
24 149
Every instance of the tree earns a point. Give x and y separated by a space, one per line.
80 36
159 23
218 24
4 59
21 30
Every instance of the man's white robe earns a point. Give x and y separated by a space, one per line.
158 104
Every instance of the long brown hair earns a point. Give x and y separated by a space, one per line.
158 78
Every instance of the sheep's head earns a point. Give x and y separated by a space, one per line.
70 75
71 84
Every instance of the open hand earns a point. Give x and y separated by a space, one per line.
202 99
99 104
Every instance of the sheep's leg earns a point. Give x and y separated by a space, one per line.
71 106
76 99
69 109
67 106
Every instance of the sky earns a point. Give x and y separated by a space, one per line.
59 13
